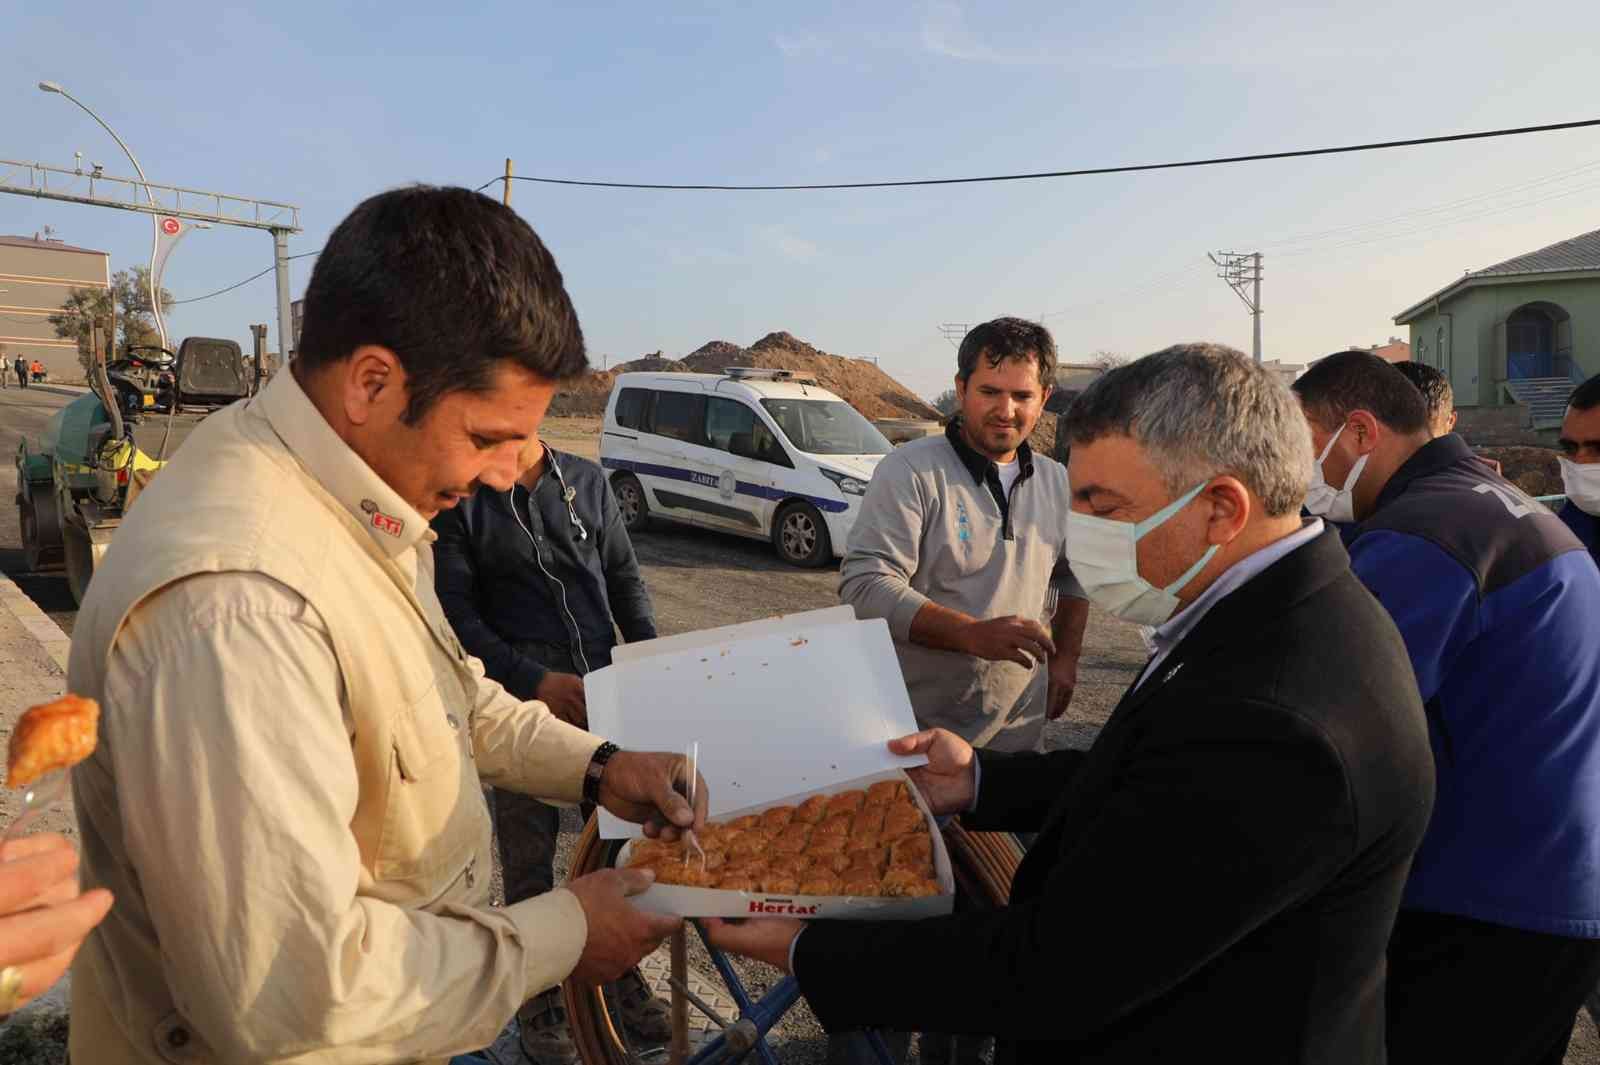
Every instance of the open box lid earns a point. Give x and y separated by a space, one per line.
779 707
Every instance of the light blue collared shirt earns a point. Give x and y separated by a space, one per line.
1169 635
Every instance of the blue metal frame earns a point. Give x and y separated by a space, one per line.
763 1013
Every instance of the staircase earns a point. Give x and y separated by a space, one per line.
1545 398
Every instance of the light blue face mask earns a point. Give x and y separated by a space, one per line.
1104 556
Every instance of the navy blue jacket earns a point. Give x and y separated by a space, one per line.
1586 527
521 613
1498 604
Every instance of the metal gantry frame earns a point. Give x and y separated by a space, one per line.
147 197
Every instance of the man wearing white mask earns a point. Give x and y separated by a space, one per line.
1238 835
1580 465
1498 937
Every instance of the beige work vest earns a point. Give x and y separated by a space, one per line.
421 823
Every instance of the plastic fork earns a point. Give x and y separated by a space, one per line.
692 756
37 800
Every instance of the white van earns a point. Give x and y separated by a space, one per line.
763 453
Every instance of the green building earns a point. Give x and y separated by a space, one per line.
1519 333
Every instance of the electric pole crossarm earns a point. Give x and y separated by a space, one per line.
1242 273
145 197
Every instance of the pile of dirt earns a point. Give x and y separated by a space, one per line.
715 356
654 363
858 382
1043 437
1532 469
584 396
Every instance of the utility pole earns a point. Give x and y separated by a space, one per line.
1242 271
508 183
954 332
258 351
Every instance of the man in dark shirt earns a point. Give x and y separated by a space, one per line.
536 583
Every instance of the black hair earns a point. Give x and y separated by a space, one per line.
1348 381
1008 338
452 282
1432 383
1587 395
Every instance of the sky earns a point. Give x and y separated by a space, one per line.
323 104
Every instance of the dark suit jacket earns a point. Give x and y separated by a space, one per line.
1215 880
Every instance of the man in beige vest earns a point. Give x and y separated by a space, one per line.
286 800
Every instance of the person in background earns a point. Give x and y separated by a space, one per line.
1215 879
38 370
20 366
1436 393
1580 464
1440 398
536 581
1498 937
960 546
43 916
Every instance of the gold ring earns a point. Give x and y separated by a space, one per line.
10 989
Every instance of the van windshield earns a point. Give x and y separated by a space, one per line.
826 427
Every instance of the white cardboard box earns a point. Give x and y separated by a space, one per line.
781 708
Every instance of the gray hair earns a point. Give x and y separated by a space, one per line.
1202 410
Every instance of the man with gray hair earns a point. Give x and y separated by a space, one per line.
1241 829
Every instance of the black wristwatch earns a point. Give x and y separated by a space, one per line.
597 768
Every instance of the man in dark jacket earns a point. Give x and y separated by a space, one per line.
536 583
1216 878
1580 465
1498 938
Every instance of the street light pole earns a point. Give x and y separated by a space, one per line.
155 239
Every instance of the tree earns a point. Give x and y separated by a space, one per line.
136 324
946 403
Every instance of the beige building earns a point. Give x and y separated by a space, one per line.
1286 371
36 277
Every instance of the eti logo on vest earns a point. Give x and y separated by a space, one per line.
381 521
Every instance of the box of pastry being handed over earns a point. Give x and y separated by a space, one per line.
810 815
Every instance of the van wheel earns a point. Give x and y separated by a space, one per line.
630 500
801 537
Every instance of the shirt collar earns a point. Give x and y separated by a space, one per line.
394 525
1170 634
981 465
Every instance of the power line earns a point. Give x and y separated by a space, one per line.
241 284
1447 207
1084 172
1332 241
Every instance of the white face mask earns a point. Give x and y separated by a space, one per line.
1582 485
1105 558
1322 499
